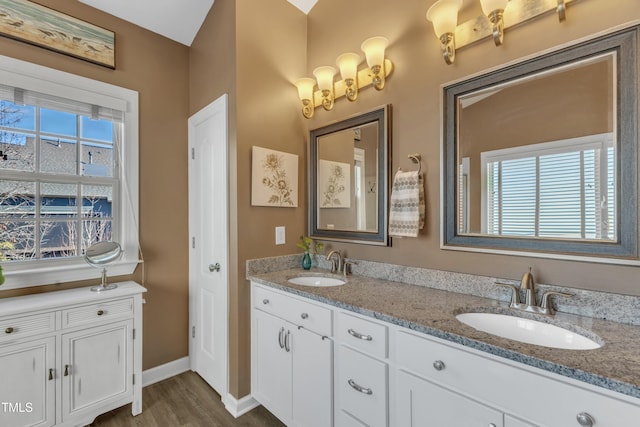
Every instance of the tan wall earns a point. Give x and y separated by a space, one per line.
238 51
414 91
158 69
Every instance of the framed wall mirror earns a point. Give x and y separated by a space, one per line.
349 179
540 158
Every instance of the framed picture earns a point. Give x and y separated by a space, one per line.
274 178
334 184
44 27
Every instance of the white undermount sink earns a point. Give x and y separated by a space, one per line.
316 281
527 331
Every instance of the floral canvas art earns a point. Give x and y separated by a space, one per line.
334 184
274 178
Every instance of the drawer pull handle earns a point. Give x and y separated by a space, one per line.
66 370
492 425
585 420
359 335
281 338
8 330
304 315
287 342
359 388
438 365
51 371
100 312
265 301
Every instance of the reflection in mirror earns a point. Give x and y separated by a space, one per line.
556 180
541 156
349 179
98 255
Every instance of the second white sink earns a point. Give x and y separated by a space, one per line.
316 281
527 331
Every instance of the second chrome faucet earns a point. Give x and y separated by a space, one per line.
527 283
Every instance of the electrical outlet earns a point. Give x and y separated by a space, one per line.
280 235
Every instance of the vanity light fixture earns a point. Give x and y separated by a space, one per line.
444 16
324 76
497 15
348 64
494 10
305 87
373 49
352 79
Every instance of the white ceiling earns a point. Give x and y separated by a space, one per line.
178 20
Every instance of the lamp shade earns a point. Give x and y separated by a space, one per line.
305 87
324 76
373 49
444 16
348 64
489 6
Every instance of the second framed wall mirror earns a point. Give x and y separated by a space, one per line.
349 179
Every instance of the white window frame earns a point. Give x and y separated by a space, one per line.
597 141
45 80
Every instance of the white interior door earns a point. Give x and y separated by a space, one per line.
208 231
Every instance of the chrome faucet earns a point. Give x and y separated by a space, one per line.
336 264
528 284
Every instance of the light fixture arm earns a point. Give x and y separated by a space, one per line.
351 89
562 10
308 108
496 18
448 48
328 98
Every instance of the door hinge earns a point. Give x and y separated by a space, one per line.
193 242
133 335
193 153
193 332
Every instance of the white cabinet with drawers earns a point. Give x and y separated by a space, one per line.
362 377
386 375
291 361
435 377
69 356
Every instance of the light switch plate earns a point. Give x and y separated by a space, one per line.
280 235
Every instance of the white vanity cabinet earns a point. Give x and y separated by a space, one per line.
69 356
292 358
439 380
362 372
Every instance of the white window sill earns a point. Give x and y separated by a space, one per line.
61 274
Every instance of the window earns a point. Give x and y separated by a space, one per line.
561 189
68 173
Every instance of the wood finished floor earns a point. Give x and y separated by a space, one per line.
185 400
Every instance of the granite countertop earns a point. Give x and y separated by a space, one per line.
614 366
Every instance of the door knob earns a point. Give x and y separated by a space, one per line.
214 267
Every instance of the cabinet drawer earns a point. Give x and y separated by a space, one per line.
18 327
98 313
294 310
491 381
368 336
363 385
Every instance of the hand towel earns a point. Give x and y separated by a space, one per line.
407 210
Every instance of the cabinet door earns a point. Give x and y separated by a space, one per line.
271 383
312 379
424 404
96 369
27 385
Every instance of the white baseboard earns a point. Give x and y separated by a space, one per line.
168 370
238 407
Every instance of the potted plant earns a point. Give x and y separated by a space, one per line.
308 246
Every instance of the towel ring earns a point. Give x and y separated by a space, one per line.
415 158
